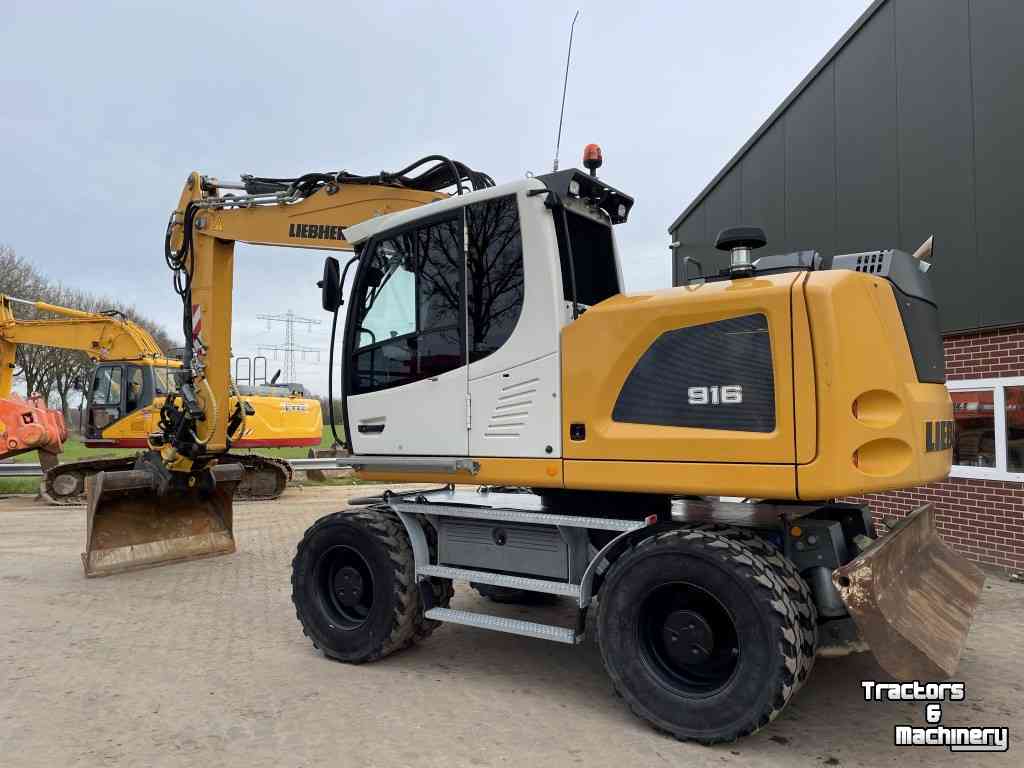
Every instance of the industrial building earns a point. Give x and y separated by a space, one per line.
910 126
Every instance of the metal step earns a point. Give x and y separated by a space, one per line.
500 624
501 580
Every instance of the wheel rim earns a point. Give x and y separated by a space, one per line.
688 639
344 585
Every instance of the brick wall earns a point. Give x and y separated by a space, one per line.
983 519
985 354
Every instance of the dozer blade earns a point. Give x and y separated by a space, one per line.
912 598
129 526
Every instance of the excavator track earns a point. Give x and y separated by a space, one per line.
64 485
264 479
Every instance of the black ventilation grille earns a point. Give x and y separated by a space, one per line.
874 262
734 353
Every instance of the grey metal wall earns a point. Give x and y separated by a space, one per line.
913 125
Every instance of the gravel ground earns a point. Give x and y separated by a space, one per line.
204 663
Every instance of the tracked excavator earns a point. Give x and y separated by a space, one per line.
131 380
584 442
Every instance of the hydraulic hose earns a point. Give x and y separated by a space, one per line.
213 420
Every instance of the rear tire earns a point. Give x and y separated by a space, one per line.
353 586
783 570
699 635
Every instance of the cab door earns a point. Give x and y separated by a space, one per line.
105 397
407 381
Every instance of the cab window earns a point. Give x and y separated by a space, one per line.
163 381
494 269
410 306
106 388
590 276
133 390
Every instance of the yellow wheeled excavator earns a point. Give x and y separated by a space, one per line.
131 380
488 342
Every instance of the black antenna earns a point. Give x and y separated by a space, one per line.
565 86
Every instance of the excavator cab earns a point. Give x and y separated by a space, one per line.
121 390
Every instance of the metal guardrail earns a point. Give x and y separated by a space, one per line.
16 469
301 465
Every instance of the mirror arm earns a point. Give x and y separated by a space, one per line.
341 283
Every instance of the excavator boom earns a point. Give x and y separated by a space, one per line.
183 476
214 223
100 336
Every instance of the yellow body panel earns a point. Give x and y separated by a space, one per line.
278 421
601 348
8 350
806 403
861 354
774 481
837 338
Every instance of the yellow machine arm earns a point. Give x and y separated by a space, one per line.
100 336
176 502
205 227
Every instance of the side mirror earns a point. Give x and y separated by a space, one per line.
330 286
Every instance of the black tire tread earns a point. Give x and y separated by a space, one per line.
408 624
798 590
731 546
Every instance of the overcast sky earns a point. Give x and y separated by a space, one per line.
106 107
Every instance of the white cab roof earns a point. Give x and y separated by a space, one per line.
361 232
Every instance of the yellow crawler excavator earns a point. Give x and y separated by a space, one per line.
131 380
489 342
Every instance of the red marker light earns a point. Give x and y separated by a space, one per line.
592 158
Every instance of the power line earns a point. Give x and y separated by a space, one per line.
290 347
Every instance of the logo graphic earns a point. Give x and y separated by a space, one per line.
938 435
730 394
316 231
957 738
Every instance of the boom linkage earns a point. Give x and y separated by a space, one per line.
308 211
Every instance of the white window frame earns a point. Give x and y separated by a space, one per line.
998 388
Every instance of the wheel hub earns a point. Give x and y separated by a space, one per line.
688 637
65 484
344 582
348 586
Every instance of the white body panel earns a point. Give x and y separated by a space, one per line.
525 371
515 392
517 413
426 417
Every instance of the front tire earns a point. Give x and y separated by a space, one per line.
353 586
698 636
